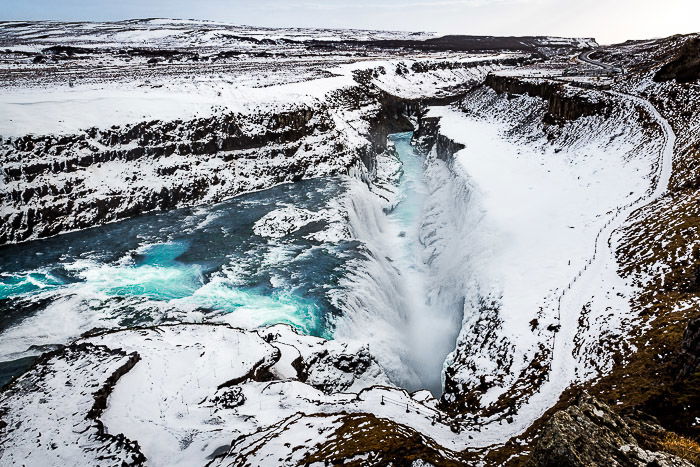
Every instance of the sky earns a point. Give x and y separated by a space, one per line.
609 21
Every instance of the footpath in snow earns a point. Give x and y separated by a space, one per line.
547 236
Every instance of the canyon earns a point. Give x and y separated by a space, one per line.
226 245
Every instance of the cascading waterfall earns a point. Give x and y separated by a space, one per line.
402 297
397 284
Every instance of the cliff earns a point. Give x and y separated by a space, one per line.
54 184
563 103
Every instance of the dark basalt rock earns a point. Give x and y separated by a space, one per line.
588 433
51 170
689 358
67 50
427 136
230 398
677 405
427 132
533 44
354 364
562 105
685 67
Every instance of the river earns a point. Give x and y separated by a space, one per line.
208 263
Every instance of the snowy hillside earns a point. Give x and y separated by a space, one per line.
228 245
163 32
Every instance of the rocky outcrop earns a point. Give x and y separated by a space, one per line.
445 148
427 136
426 132
685 67
37 440
661 377
563 103
538 45
339 439
675 401
589 433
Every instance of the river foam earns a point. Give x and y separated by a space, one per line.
197 264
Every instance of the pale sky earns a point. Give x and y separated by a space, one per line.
607 21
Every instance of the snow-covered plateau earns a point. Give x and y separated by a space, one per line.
227 245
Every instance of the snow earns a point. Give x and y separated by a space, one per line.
168 400
266 447
62 110
60 322
283 221
546 216
463 71
517 238
174 383
68 110
147 35
59 400
537 216
180 33
22 48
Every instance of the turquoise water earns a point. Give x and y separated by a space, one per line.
412 189
157 275
12 285
194 264
206 264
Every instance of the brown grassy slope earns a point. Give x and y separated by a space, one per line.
660 252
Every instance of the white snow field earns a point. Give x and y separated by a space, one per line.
541 242
481 273
60 109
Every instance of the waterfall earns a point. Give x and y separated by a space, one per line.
406 295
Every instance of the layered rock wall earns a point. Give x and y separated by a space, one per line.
54 184
563 103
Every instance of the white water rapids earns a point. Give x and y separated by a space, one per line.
395 299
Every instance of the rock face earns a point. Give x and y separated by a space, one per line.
54 184
676 403
428 136
685 67
563 104
589 433
689 358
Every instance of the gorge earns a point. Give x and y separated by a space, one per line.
372 251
